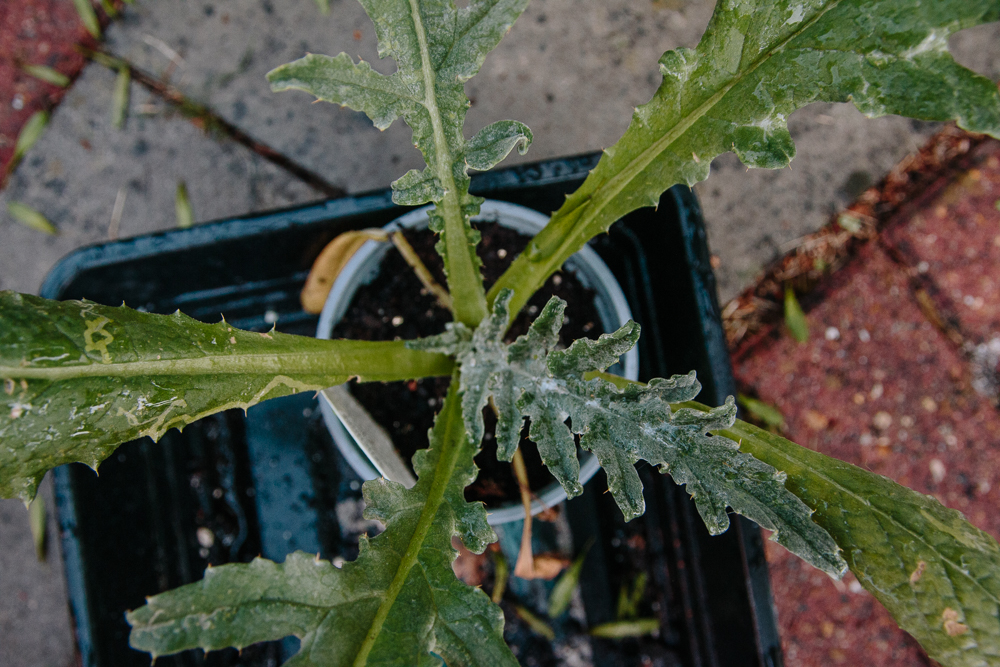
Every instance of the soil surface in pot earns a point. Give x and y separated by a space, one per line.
395 305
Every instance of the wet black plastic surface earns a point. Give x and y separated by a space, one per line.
272 482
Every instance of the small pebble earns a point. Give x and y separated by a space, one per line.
501 253
928 404
557 279
866 440
937 470
864 336
832 333
882 420
397 320
206 537
877 391
906 421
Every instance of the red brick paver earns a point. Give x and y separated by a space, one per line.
894 382
36 32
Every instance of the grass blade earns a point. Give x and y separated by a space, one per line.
30 133
88 17
562 592
765 412
119 105
47 74
795 319
621 629
29 217
36 519
182 204
536 624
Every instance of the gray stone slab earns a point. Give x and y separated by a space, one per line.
74 173
34 612
571 70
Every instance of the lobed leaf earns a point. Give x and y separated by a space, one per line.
937 574
399 603
493 144
758 61
437 48
78 379
528 378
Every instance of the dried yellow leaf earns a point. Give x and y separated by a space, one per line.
330 262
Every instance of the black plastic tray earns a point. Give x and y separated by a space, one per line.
270 482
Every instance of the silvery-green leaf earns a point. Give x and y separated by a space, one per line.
399 603
417 187
455 336
78 379
437 48
623 426
493 144
478 376
759 61
935 572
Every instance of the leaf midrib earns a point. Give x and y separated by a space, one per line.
616 184
468 302
451 449
606 192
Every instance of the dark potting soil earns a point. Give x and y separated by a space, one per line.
395 305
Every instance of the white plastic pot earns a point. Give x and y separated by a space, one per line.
586 265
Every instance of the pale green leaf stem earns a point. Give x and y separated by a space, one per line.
396 604
78 379
530 378
757 63
437 48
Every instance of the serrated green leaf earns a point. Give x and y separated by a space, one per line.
47 74
795 319
493 144
182 207
437 48
29 217
30 133
758 61
397 604
622 426
417 187
79 379
88 17
936 573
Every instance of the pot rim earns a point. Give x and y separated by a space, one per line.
586 265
